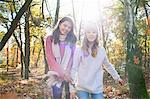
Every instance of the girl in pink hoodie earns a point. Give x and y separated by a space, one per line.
59 53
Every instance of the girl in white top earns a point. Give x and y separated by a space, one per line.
88 64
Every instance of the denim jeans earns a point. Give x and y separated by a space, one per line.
57 92
86 95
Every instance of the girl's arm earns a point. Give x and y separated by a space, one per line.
110 68
51 59
74 69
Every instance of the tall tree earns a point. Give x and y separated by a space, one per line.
57 12
46 64
134 58
145 4
38 58
74 16
22 57
27 44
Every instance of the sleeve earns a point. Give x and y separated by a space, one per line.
110 68
74 70
51 59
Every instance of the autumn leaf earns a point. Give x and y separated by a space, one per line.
136 60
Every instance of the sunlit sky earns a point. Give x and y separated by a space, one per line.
84 9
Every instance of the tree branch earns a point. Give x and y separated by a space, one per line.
14 24
121 2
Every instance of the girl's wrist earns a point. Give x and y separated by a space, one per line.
119 79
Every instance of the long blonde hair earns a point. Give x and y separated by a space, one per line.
85 44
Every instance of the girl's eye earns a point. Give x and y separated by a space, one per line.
69 27
65 25
91 32
88 32
95 32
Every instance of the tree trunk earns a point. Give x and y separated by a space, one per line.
43 9
22 61
79 37
22 57
33 48
74 16
7 53
134 58
17 57
146 63
13 61
104 37
46 64
27 45
38 57
57 12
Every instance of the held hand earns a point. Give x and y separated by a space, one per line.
67 77
121 82
73 96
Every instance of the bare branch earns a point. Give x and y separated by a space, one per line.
121 1
14 24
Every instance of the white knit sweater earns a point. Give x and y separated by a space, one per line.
87 72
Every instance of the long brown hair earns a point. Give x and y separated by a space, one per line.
85 44
71 38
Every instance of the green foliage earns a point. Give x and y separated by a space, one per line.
118 26
136 82
116 52
1 35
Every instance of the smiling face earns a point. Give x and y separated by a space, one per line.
65 27
64 30
91 39
91 36
91 32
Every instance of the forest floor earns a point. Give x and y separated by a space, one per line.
13 87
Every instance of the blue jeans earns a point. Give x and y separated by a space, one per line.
86 95
57 92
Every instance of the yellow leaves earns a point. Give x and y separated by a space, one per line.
49 19
2 82
147 31
148 21
115 92
116 51
10 6
30 81
36 11
1 35
108 89
38 31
